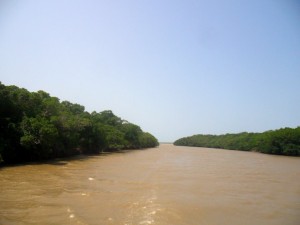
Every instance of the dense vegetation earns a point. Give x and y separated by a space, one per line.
35 126
285 141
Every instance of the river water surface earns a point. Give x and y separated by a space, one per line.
167 185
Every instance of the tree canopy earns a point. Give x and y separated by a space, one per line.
35 126
284 141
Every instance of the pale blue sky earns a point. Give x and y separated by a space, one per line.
175 68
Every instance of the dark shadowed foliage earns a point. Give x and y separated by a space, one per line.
35 126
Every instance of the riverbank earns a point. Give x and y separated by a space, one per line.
285 141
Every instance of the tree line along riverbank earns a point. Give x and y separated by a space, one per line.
284 141
36 126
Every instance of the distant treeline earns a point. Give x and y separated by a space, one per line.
285 141
35 126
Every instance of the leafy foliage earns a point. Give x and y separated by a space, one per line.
285 141
36 126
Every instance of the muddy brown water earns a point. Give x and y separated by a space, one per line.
165 185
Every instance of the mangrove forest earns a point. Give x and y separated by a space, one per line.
284 141
36 126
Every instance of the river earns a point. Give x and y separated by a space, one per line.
165 185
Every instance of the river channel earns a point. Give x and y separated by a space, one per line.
164 185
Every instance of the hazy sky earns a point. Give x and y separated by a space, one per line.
175 68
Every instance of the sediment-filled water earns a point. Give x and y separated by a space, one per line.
164 185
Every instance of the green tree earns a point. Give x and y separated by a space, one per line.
39 137
35 125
